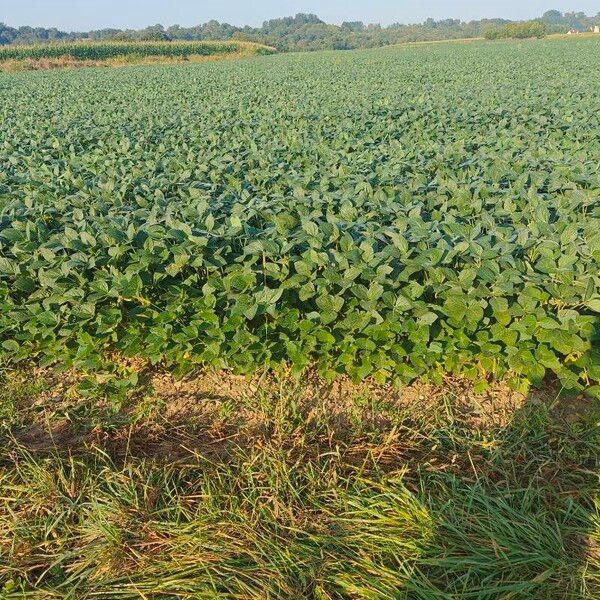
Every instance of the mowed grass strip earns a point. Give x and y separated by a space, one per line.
176 492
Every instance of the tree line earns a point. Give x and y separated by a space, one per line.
308 32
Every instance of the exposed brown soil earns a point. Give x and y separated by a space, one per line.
213 415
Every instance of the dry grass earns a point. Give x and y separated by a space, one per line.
565 36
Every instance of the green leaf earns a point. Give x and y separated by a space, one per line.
311 228
455 308
11 346
8 267
428 318
268 296
594 305
330 304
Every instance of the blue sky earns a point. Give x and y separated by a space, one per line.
95 14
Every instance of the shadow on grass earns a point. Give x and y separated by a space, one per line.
302 491
524 523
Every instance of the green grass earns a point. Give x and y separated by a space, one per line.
277 494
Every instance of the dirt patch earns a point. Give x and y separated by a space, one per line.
492 408
214 412
217 415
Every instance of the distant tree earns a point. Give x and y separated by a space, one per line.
307 32
7 34
576 20
121 36
523 30
552 17
356 26
156 33
105 34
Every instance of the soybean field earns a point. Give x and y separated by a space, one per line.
396 213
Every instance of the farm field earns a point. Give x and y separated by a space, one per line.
327 326
383 213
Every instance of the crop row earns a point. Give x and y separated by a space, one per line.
109 50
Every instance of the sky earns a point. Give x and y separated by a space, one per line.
81 15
